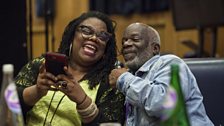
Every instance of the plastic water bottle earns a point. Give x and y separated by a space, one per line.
10 109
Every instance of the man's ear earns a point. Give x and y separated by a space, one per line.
155 48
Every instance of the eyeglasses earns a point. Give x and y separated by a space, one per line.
88 32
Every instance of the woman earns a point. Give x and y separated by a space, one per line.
86 98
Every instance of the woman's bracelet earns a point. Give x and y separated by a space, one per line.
91 114
82 100
89 111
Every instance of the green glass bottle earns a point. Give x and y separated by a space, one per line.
175 112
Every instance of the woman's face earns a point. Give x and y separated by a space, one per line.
89 42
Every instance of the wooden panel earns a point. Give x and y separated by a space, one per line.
220 44
162 22
65 12
171 40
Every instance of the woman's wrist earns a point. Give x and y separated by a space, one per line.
87 101
81 102
87 110
39 93
31 95
91 118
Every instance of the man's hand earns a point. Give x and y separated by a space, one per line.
115 73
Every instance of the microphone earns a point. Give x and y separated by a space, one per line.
119 64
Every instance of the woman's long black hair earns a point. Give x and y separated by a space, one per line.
99 73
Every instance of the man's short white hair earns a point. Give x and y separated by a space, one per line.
156 37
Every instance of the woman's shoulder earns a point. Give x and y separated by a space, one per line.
28 73
38 60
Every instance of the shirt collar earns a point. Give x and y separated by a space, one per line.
147 65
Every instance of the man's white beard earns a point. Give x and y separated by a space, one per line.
139 60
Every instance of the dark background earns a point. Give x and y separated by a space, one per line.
13 47
189 14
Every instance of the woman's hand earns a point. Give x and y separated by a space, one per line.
45 81
68 85
74 91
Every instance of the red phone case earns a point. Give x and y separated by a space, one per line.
55 63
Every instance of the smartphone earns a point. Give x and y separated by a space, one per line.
55 63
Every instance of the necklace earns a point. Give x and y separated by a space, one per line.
45 119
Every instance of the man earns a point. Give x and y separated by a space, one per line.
145 84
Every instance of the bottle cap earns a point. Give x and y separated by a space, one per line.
8 68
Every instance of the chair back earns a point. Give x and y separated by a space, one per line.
209 73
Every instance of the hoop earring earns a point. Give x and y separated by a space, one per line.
70 50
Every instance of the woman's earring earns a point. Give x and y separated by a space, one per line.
70 50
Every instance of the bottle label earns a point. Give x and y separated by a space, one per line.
169 103
12 98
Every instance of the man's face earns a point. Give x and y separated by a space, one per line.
136 47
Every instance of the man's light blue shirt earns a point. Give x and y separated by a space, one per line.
146 89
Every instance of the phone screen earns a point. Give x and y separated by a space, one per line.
55 63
